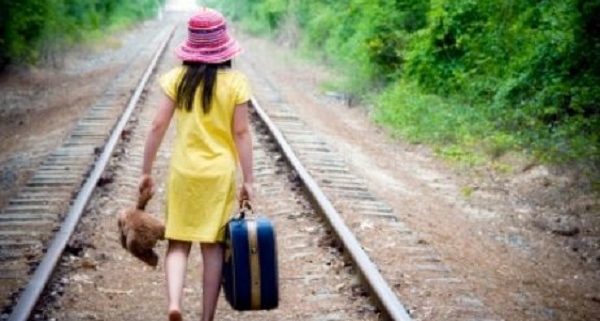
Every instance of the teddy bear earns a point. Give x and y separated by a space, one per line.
139 231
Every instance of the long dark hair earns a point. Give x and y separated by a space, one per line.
198 74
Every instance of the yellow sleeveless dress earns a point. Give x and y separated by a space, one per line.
202 174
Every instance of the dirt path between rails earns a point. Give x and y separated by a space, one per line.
528 242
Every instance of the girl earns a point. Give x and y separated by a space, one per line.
210 104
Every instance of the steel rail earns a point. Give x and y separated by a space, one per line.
29 297
383 294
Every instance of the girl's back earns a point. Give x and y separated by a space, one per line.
204 144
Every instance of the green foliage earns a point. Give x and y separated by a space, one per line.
257 16
27 26
471 76
426 118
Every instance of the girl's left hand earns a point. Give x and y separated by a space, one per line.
246 193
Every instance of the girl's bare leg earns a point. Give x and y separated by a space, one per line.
175 267
212 259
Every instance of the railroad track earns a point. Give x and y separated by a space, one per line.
415 271
344 255
38 221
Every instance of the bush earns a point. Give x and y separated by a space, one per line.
526 66
26 25
507 75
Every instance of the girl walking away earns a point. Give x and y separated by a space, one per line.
210 104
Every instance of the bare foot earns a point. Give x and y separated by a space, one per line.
175 315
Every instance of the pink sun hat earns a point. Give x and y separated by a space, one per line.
208 40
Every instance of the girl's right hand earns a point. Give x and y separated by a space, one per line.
146 185
246 192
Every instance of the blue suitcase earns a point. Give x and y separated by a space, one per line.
250 277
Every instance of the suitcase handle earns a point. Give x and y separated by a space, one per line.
245 206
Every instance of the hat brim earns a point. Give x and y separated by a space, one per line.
185 53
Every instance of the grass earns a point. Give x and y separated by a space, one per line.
467 191
467 134
457 132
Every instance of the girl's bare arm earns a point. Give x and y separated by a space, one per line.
160 124
243 142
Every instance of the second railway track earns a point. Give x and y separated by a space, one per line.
38 221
